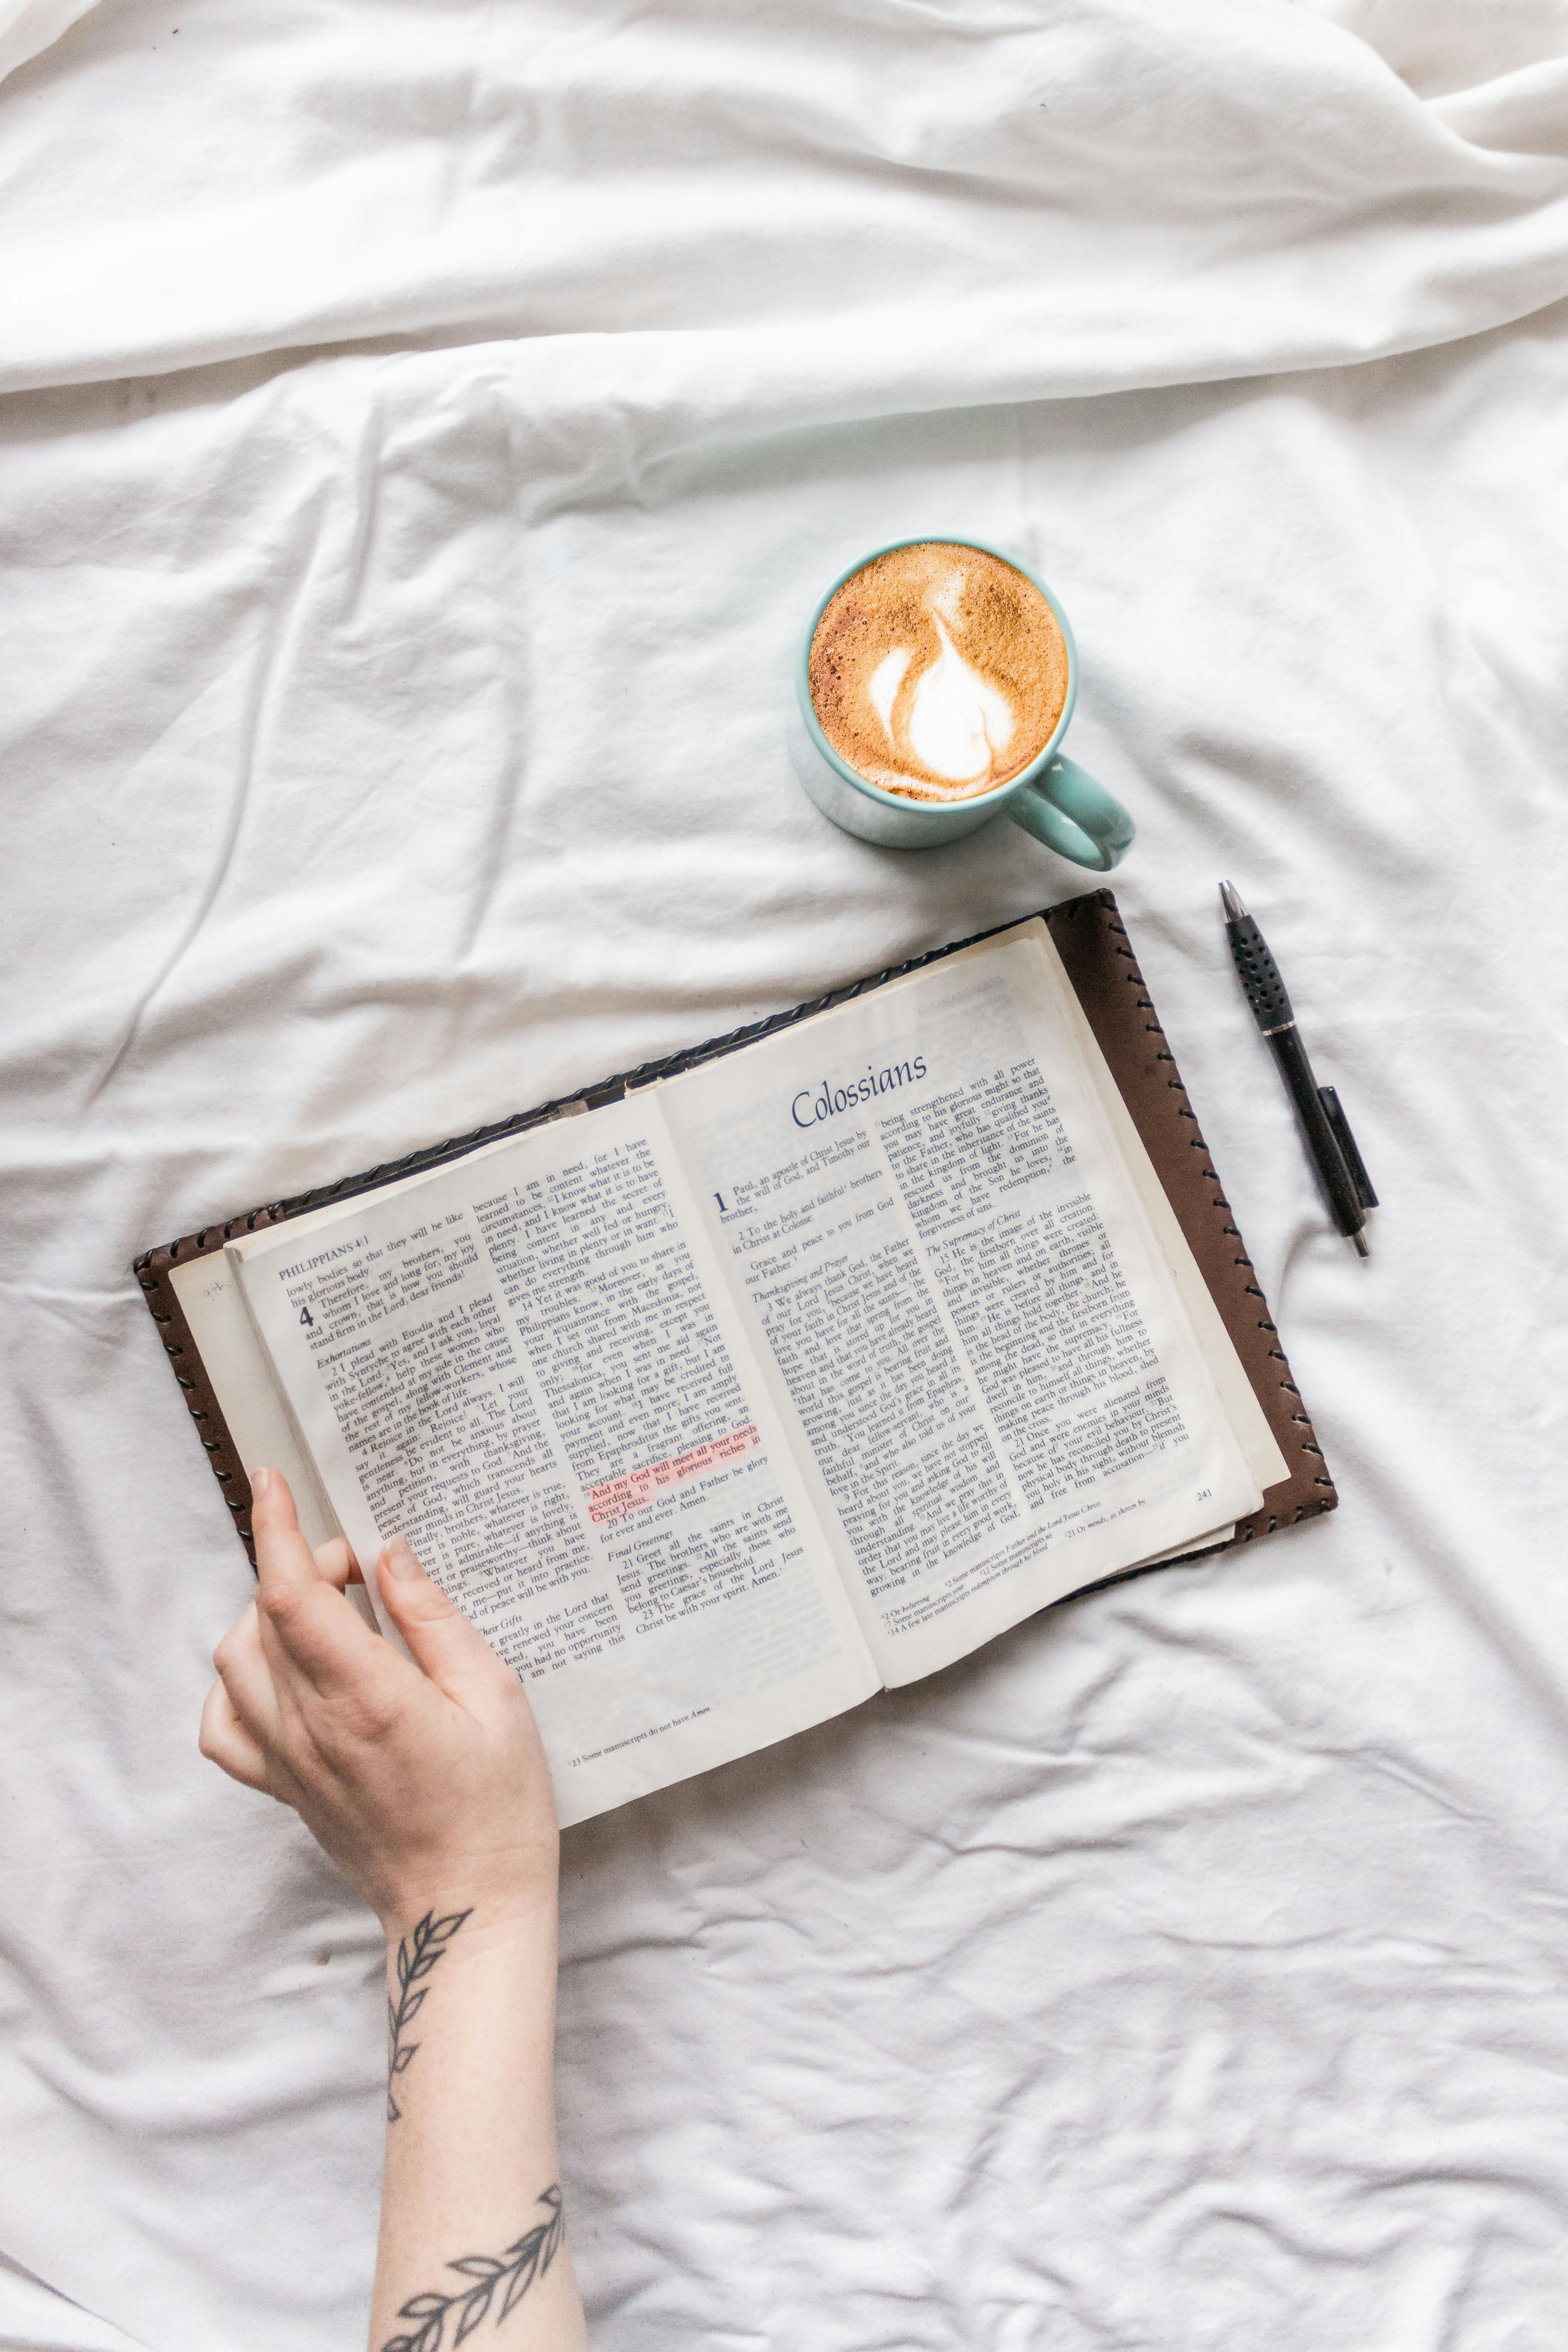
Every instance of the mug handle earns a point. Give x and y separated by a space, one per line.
1065 808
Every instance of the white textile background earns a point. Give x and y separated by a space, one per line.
425 428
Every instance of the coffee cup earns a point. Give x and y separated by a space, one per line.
1051 797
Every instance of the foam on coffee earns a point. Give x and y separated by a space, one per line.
937 671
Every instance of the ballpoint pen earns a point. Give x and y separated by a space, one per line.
1329 1144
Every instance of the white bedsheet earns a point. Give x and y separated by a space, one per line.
427 426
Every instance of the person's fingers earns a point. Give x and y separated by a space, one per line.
275 1522
282 1555
315 1636
245 1676
337 1562
307 1623
224 1741
289 1710
441 1641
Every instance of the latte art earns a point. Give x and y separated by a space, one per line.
938 671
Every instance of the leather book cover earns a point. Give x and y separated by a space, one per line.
1094 945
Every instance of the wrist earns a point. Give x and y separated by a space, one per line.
512 1888
482 1915
470 2004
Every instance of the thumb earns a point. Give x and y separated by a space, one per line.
443 1643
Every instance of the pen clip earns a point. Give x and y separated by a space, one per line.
1347 1144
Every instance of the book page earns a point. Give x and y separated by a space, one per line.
958 1296
253 1404
249 1398
1247 1416
524 1364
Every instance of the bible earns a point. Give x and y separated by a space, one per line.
727 1393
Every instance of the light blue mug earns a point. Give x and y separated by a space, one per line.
1053 798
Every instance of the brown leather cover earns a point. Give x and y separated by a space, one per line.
1095 949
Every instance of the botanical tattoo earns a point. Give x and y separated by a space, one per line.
510 2275
415 1963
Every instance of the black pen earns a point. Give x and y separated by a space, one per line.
1324 1127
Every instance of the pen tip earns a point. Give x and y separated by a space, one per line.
1231 899
1359 1243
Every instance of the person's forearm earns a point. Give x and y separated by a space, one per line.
418 1766
472 2223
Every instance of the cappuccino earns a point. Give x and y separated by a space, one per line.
937 671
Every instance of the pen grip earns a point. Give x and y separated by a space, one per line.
1339 1185
1258 975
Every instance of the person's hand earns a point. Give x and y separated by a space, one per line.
427 1782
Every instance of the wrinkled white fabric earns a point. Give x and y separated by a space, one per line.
889 205
27 27
428 428
35 2318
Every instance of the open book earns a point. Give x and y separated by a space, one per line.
798 1375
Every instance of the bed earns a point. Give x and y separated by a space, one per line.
423 429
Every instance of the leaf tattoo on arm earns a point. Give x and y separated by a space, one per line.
510 2275
414 1962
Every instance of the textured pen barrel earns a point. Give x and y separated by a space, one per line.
1259 975
1339 1184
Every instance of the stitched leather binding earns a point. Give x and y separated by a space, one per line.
1098 955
